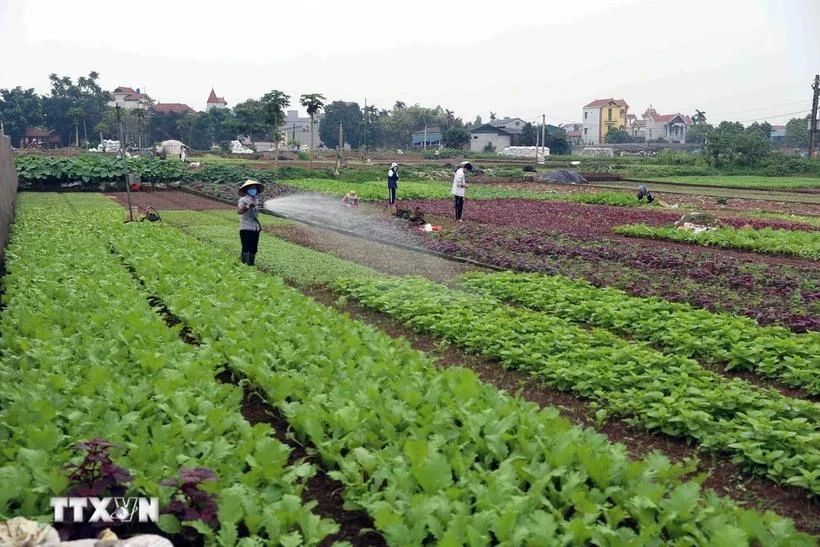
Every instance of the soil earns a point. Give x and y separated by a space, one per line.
379 256
166 200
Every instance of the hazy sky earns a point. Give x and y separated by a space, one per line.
742 60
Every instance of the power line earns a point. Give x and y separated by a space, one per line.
775 116
758 108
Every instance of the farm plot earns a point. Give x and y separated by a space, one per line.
576 241
75 331
774 435
433 456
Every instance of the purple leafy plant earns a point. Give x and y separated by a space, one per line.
189 501
97 475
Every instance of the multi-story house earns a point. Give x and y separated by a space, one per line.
602 115
129 99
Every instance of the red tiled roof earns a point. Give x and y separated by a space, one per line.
778 127
603 102
213 99
176 108
665 118
573 133
124 89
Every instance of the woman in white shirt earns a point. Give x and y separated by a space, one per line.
459 185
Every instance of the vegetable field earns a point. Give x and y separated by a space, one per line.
145 339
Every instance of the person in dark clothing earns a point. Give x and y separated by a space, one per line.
392 183
249 226
644 193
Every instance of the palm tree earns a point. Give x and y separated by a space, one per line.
76 114
313 102
275 102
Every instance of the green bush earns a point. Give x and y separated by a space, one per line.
672 157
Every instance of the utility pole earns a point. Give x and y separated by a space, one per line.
340 155
537 137
122 155
543 138
813 118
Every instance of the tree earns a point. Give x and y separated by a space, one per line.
249 119
312 102
275 102
557 141
455 137
528 135
20 109
492 116
699 117
696 134
797 132
616 136
86 94
730 144
764 129
478 121
163 126
347 114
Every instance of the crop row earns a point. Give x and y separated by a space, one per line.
764 240
433 456
767 432
84 356
736 342
95 169
409 190
767 292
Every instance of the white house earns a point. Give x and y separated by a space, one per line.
653 126
129 99
496 135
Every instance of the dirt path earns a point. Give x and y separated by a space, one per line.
166 200
379 256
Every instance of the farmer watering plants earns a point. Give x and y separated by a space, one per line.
249 226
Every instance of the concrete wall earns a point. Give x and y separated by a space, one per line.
8 190
480 140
